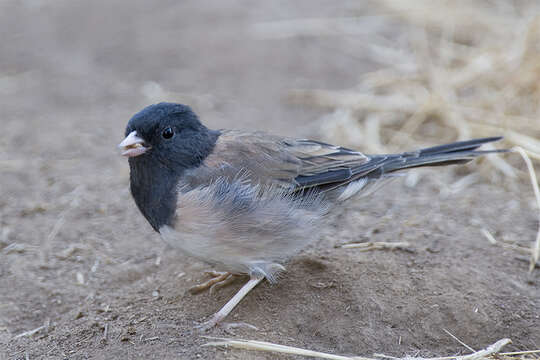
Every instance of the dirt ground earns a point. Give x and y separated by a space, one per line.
81 266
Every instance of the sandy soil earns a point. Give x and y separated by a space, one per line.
80 263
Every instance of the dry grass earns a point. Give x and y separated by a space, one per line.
444 81
492 352
458 70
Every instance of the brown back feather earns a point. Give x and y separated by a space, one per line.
272 160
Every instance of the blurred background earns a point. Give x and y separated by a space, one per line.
380 76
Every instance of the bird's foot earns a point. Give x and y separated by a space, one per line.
215 321
218 280
209 324
229 306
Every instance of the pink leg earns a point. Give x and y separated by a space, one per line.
230 305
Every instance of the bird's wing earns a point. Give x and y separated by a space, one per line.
297 164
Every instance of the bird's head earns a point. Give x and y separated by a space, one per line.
168 133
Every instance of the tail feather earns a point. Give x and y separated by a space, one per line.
455 153
355 179
457 146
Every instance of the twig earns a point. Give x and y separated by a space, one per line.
270 347
459 341
368 246
61 219
520 352
491 239
534 182
492 349
60 222
151 339
32 332
488 236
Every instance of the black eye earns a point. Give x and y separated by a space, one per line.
167 133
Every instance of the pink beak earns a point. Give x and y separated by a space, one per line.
133 145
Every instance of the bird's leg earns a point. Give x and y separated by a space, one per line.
230 305
218 279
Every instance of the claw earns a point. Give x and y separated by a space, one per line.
214 273
221 284
218 277
207 325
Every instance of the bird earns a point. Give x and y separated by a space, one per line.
247 202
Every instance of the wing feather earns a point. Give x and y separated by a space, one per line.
296 164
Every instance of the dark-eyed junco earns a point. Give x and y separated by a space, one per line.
245 202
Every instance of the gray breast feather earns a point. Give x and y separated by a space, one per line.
245 228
